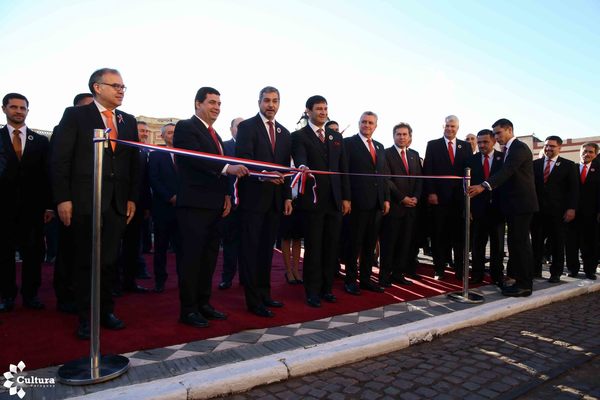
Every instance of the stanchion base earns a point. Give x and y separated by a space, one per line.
471 298
78 372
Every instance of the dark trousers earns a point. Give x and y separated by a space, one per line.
51 229
552 227
200 239
364 226
64 269
582 235
258 233
231 245
488 226
447 235
322 229
397 242
113 226
165 231
519 250
132 259
21 230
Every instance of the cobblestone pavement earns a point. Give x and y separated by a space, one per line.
547 353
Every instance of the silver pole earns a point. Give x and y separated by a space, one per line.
96 368
465 296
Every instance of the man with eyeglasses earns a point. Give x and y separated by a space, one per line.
72 166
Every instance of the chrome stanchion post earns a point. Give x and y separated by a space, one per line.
96 368
465 296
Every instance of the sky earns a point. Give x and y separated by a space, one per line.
534 62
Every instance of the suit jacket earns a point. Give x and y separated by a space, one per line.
163 181
437 162
229 147
2 159
25 184
201 184
561 191
308 150
515 182
253 143
402 187
486 202
72 165
588 205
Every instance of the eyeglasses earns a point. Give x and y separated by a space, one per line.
115 86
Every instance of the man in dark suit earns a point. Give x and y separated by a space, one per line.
370 198
583 230
230 225
262 201
446 156
557 189
397 231
487 219
202 200
72 169
25 204
318 148
64 270
162 175
518 202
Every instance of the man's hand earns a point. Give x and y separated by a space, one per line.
346 207
173 200
65 212
226 206
48 216
473 191
130 211
287 207
238 170
386 207
409 202
275 181
432 199
569 215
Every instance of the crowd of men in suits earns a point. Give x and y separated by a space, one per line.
367 194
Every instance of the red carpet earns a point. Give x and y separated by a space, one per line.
47 337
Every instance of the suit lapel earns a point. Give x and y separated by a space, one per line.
362 149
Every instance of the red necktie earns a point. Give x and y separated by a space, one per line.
403 154
111 125
372 151
321 135
486 167
547 170
213 134
450 153
17 144
272 135
583 173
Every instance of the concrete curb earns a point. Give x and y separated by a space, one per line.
245 375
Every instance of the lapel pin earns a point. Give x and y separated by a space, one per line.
278 130
120 118
498 158
558 163
330 137
460 146
592 169
30 137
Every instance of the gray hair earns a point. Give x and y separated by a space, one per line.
163 129
450 118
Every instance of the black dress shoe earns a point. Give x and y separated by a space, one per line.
83 330
352 289
209 312
110 321
573 274
143 275
371 287
475 281
384 282
272 303
414 276
7 305
67 308
224 285
159 287
329 297
313 301
194 319
554 279
438 275
262 311
591 276
513 291
33 303
136 289
401 280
